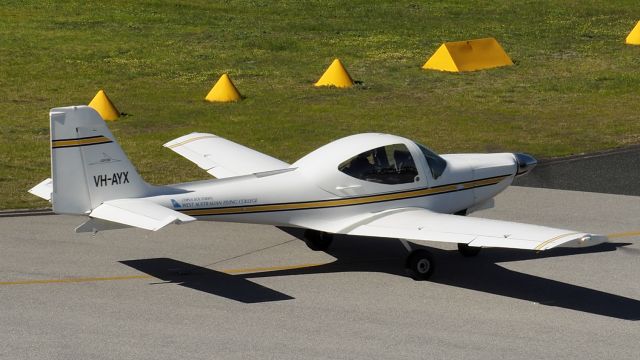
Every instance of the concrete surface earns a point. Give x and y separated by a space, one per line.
614 172
193 291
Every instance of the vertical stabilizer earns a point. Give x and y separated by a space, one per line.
88 166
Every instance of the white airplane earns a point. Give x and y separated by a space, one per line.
367 184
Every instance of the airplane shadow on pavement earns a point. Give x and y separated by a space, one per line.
365 254
206 280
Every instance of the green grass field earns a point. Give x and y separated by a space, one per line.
573 88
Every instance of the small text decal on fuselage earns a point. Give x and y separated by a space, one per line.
113 179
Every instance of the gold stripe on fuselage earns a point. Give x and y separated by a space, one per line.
94 140
346 202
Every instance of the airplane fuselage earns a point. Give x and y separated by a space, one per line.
289 198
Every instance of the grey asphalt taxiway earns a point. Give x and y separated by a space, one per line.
236 291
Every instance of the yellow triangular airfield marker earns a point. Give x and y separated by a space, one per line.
468 55
441 60
103 105
335 75
634 36
223 91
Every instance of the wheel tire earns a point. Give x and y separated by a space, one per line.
468 251
420 265
317 240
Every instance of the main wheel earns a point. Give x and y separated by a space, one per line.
420 265
317 240
468 251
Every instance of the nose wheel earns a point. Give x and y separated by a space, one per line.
420 265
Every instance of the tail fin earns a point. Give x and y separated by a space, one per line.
88 166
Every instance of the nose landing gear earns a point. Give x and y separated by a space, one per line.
468 251
318 240
419 263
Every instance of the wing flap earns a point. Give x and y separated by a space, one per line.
221 157
423 225
138 213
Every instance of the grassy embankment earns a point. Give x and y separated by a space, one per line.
573 87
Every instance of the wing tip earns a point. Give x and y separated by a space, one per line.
185 139
581 240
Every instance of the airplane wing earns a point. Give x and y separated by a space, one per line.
221 157
132 212
423 225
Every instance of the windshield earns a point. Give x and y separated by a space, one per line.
436 163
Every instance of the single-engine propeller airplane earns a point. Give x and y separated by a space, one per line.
367 184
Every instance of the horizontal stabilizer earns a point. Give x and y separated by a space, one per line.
43 190
93 225
138 213
424 225
221 157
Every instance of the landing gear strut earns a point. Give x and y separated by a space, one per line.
318 240
419 263
468 251
464 249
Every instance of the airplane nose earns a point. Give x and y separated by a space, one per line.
525 163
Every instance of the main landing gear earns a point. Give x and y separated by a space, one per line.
318 240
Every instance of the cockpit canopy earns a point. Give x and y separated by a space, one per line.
377 159
391 164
